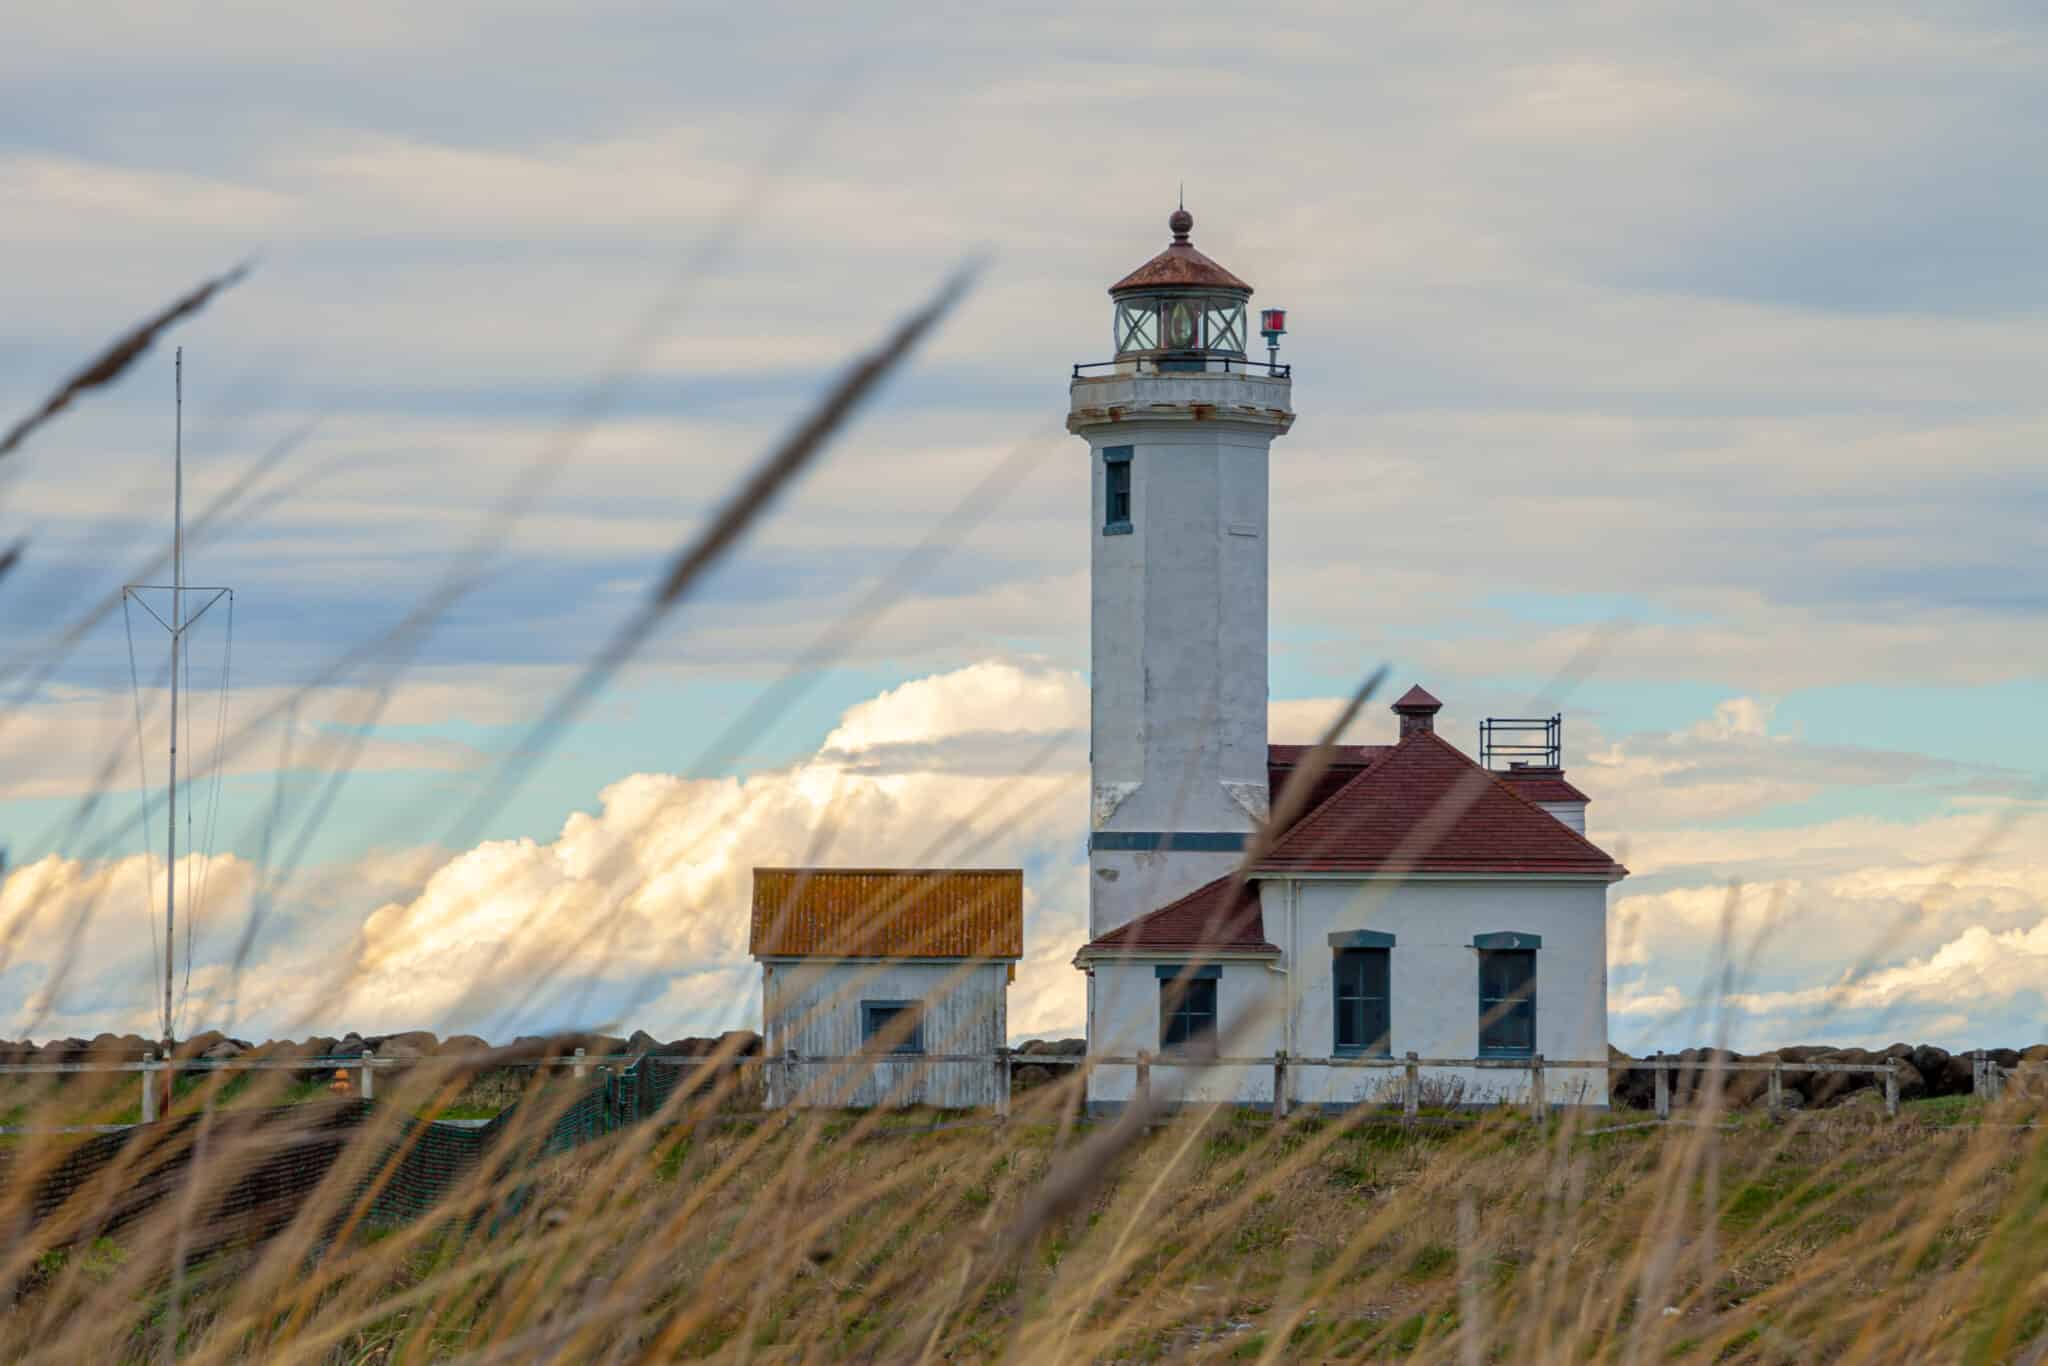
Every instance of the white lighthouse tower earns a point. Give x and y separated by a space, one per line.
1178 427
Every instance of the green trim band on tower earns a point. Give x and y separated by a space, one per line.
1508 939
1151 841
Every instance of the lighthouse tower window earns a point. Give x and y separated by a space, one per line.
1116 490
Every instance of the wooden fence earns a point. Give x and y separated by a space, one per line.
1989 1077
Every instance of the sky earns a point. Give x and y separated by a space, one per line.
1672 368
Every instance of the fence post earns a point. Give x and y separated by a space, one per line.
1663 1087
1891 1087
1411 1087
1280 1084
1777 1101
367 1087
579 1067
149 1088
1537 1105
1144 1092
1002 1082
1994 1078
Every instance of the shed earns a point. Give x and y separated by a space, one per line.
886 986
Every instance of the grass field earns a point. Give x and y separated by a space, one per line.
1219 1236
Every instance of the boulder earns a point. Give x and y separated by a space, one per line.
1932 1064
455 1045
1634 1087
412 1043
2038 1053
2006 1057
1030 1076
222 1049
1958 1076
743 1042
1897 1050
642 1042
1829 1088
122 1046
1912 1082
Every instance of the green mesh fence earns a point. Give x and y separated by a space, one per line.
265 1163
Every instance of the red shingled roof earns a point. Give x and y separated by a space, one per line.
1424 807
1420 806
1346 763
1221 916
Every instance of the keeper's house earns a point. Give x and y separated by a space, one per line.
887 971
1419 903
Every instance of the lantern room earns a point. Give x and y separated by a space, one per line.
1180 309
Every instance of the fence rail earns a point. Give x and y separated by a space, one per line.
1989 1077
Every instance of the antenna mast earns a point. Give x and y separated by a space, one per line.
178 623
177 646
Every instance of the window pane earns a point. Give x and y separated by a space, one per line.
1117 502
1507 1001
1363 1018
1226 327
1136 327
879 1018
1187 1013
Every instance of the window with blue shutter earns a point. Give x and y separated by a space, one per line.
1116 490
1364 1019
1507 1003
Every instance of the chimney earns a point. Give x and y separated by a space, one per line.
1417 710
1544 785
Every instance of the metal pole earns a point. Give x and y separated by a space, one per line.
1663 1075
1411 1088
149 1088
177 641
367 1088
1537 1106
1280 1084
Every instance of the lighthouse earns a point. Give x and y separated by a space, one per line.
1179 425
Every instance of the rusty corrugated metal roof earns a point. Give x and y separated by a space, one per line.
888 913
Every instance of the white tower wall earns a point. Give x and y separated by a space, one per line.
1179 603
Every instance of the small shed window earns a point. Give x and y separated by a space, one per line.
1507 1003
892 1026
1116 490
1364 1022
1187 1012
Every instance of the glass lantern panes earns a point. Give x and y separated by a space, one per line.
1183 325
1137 327
1225 325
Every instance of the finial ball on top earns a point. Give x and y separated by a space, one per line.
1182 222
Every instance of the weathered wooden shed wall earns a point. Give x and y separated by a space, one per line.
813 1007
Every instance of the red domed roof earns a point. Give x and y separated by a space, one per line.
1180 265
